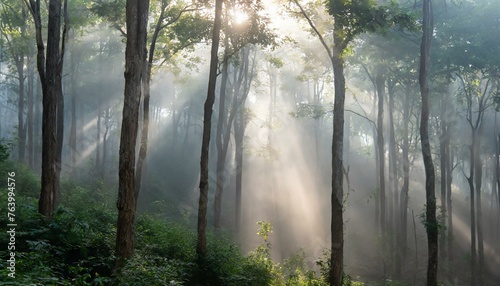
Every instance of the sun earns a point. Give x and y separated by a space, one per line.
238 17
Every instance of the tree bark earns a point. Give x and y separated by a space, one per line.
50 69
379 83
393 181
136 17
221 175
443 147
430 209
29 117
406 177
478 166
201 245
337 220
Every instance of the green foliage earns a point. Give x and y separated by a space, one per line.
5 149
308 110
354 17
324 264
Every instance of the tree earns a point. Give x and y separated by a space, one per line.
135 55
201 244
237 36
430 208
50 67
350 20
14 31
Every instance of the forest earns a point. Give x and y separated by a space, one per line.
250 142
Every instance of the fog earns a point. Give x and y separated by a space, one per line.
286 172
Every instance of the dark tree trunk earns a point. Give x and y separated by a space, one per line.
50 70
136 17
201 245
146 82
430 208
337 199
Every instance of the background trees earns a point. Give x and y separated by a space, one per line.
276 107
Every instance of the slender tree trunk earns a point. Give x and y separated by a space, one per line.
443 142
406 178
478 166
201 246
240 123
449 179
97 163
105 144
72 132
38 127
21 131
381 155
337 199
470 180
393 180
430 209
29 117
137 18
221 175
146 81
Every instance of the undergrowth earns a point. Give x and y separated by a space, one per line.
76 246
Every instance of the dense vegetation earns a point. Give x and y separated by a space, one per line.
361 135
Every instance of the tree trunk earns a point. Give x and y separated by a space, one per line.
29 117
21 131
381 155
72 132
201 245
221 176
136 17
478 166
470 180
443 142
406 178
50 70
337 220
430 208
146 82
240 123
449 179
393 181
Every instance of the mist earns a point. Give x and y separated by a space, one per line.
279 100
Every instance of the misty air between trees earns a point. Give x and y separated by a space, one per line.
364 132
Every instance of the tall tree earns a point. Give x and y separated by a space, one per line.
201 244
430 207
350 20
50 67
135 56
